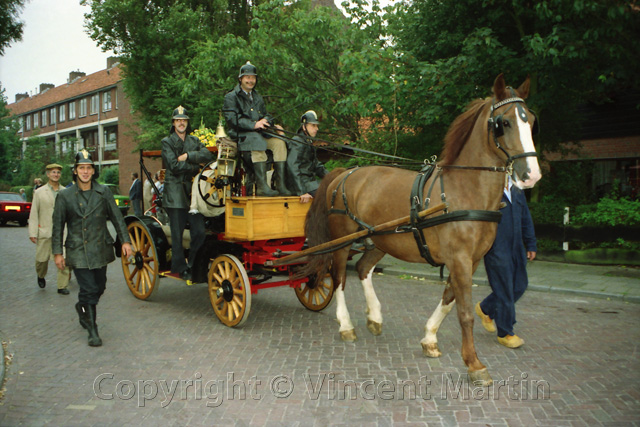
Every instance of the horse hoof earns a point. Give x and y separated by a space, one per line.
431 350
348 336
374 327
480 378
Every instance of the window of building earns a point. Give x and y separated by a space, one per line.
95 102
28 122
21 123
106 101
111 138
72 110
35 120
83 108
53 115
68 145
63 111
44 118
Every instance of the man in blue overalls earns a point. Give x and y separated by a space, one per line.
506 264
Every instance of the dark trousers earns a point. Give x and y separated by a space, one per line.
178 219
508 280
92 284
137 207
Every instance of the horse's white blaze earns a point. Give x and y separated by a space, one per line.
526 139
373 304
434 322
341 310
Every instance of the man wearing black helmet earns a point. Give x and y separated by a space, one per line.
303 165
85 208
246 113
182 154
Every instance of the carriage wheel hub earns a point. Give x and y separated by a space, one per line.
227 290
139 261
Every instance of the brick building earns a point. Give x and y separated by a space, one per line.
89 111
610 139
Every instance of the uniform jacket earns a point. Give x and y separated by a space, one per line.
515 235
135 192
243 119
303 165
41 216
89 243
178 175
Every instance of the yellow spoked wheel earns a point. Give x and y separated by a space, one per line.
316 297
229 290
141 270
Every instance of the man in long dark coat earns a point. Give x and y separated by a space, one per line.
303 166
182 155
246 113
85 208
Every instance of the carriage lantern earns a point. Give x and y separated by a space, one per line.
226 153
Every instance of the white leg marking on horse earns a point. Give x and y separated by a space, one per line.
434 322
526 139
341 310
373 304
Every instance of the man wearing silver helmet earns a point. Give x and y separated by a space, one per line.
182 155
246 113
303 165
85 208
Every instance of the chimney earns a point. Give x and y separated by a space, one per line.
21 96
45 87
75 75
112 61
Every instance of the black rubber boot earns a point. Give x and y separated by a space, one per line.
249 180
262 189
83 315
94 338
280 173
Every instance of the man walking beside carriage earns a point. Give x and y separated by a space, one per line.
182 155
246 113
41 224
84 209
506 264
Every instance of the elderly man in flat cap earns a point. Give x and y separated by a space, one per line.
41 224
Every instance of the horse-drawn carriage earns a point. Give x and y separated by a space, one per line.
242 235
264 238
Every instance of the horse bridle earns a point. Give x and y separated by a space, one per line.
496 124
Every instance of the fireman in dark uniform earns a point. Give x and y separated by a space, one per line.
85 208
246 113
303 166
182 155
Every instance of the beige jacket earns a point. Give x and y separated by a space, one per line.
41 216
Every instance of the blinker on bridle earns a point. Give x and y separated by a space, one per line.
497 124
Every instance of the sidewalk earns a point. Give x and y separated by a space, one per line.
616 282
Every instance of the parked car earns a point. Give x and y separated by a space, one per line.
123 202
13 208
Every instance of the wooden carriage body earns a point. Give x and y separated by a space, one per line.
235 257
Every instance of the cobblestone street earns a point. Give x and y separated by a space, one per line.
169 361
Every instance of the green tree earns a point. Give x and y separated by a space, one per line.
10 25
575 51
9 141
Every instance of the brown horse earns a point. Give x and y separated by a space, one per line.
480 147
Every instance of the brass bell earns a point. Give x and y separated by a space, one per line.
220 133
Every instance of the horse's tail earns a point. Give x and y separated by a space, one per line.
316 228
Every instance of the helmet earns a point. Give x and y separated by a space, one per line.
248 69
310 117
83 156
180 113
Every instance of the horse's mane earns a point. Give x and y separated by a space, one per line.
459 131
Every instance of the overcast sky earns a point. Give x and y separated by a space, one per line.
53 44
